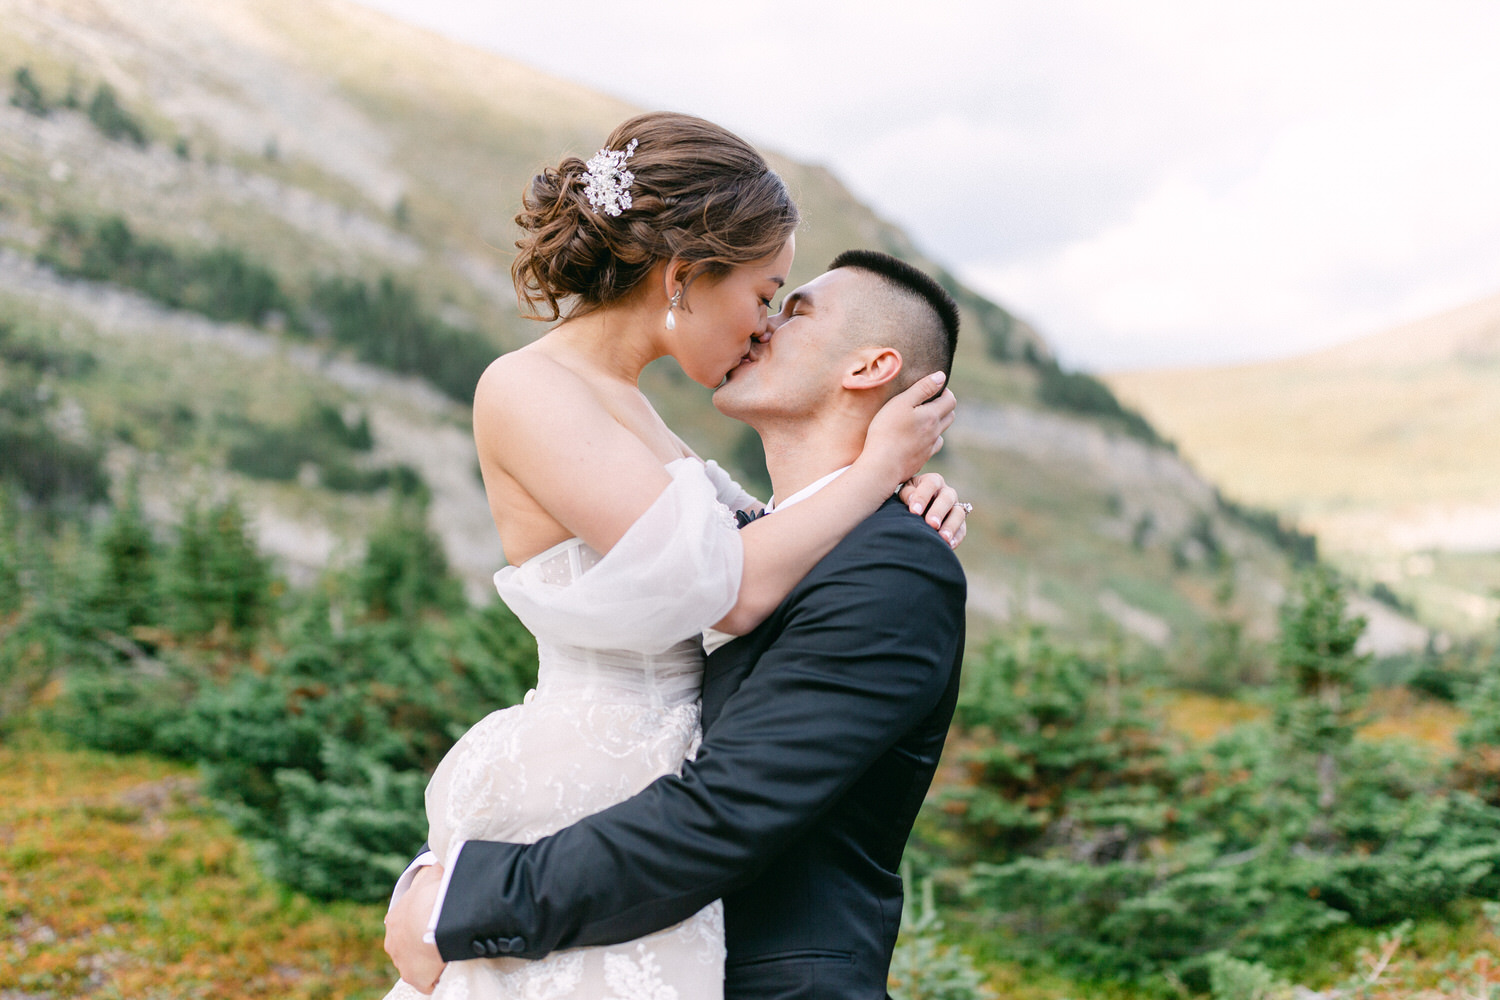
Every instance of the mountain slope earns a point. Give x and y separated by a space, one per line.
1385 446
331 144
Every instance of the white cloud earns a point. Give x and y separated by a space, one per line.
1155 182
1348 223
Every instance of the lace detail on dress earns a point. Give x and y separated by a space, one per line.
636 977
605 721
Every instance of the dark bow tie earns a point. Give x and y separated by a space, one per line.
744 517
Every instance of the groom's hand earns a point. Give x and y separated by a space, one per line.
417 961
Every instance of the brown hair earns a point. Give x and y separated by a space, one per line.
701 194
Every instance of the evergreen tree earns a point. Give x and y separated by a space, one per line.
219 578
126 592
405 571
1477 767
1320 683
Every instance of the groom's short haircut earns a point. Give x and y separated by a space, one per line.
911 313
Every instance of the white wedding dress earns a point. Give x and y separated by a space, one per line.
616 706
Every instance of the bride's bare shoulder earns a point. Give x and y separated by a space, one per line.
524 379
529 392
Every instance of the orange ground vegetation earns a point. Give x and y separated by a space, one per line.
1393 713
117 881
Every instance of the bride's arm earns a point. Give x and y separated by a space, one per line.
926 493
546 430
780 550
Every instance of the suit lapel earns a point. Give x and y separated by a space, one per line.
731 663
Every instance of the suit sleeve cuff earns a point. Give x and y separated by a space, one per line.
404 882
430 937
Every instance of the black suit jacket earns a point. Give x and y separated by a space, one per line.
822 729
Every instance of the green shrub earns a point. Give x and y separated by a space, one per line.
923 967
47 468
386 326
748 461
274 453
329 422
220 282
12 595
1060 755
1078 392
1477 767
1231 979
996 326
1272 834
119 708
405 571
316 727
350 835
29 651
28 94
39 358
384 323
110 118
321 439
1303 548
403 479
324 755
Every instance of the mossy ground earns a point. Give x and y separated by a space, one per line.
119 881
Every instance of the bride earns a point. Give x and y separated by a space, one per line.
623 546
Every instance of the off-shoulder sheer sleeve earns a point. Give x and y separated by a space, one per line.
675 572
731 494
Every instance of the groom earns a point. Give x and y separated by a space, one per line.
822 727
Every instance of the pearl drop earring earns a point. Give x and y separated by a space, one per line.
676 301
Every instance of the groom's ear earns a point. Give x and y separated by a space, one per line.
872 367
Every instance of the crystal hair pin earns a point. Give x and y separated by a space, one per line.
608 181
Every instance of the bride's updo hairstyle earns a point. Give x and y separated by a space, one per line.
701 194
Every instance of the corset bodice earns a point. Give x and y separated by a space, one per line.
673 676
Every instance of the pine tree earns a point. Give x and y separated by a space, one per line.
219 578
1321 682
405 570
1477 766
126 592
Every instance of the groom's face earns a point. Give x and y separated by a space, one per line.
797 367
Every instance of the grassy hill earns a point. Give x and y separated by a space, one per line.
355 169
1385 447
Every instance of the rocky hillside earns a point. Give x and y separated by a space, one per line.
1386 447
279 230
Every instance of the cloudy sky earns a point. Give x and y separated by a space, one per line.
1162 182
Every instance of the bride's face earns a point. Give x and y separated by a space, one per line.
727 313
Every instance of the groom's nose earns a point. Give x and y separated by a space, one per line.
771 325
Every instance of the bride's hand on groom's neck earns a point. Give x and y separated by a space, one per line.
908 430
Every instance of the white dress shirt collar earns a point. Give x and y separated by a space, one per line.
774 505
